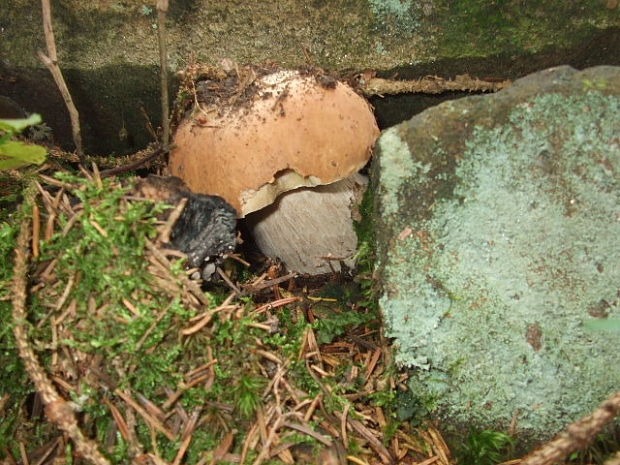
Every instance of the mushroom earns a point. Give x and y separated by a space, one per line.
285 132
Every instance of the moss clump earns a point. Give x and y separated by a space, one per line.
481 28
152 362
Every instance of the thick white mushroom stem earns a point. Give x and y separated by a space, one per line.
311 229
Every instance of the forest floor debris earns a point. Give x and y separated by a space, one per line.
134 362
154 370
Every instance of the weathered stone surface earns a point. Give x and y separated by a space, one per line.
498 220
108 49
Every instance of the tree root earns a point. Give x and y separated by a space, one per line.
577 436
57 409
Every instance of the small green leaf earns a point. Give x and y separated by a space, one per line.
18 125
27 153
11 164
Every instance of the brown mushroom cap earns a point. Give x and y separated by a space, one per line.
295 133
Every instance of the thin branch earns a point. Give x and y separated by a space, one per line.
51 61
428 85
48 30
162 9
577 436
133 165
57 409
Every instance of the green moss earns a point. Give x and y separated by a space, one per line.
485 448
482 28
125 329
335 324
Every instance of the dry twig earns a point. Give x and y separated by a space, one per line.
429 85
162 9
577 436
51 61
57 409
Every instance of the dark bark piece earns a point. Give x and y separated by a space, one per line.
205 231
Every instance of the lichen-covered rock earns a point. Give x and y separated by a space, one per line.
498 222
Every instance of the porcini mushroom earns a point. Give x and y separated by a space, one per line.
286 131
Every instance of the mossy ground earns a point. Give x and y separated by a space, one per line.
150 362
154 366
477 28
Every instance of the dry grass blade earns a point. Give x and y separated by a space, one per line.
227 280
310 432
151 407
343 425
119 420
313 406
265 450
355 460
205 319
174 397
186 437
440 446
3 400
23 453
276 304
36 230
166 265
260 284
248 440
155 459
55 182
376 445
50 448
372 364
151 328
268 356
433 459
224 446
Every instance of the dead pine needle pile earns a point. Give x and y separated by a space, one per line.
133 362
